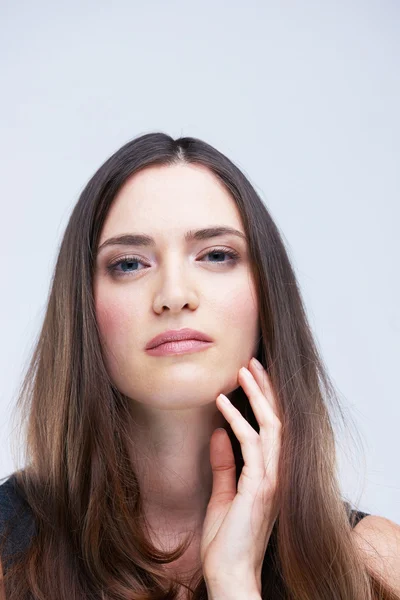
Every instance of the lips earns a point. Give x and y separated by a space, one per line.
176 335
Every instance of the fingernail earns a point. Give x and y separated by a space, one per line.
257 364
225 399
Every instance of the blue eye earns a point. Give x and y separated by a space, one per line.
128 261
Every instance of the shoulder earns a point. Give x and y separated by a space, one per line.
8 498
17 524
378 540
11 499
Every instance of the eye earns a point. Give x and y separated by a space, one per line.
128 262
125 261
228 251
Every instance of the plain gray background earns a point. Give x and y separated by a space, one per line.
303 96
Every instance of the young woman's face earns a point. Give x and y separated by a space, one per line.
174 284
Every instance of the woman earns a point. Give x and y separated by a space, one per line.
131 490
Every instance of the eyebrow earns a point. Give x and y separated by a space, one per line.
140 239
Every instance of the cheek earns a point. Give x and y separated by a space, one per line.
115 319
238 309
239 318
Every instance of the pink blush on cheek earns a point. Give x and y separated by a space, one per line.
239 309
110 316
118 322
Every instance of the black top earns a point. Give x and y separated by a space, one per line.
17 524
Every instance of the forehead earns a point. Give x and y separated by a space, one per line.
171 199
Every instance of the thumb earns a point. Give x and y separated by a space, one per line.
223 468
224 484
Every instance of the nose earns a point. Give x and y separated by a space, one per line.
175 293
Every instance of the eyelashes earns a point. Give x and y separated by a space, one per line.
126 260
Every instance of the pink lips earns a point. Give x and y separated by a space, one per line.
178 339
180 347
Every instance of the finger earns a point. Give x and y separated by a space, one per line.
223 485
263 410
270 425
223 466
249 439
263 379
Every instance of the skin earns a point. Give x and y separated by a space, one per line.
178 284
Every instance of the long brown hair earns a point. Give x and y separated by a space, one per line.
90 539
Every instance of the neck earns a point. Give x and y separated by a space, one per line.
171 457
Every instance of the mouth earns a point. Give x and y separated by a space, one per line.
186 346
178 335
